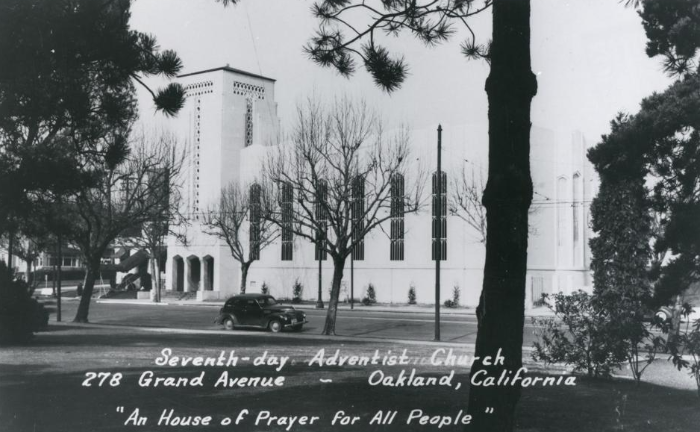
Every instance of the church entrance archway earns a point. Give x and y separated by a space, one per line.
194 273
178 276
208 272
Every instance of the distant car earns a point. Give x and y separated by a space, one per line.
259 311
665 314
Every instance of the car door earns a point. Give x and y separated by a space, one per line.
253 313
239 311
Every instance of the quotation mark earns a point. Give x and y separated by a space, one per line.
120 409
489 410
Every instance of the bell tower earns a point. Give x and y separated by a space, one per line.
228 114
227 110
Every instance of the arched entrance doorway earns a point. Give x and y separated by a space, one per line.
178 276
194 273
208 272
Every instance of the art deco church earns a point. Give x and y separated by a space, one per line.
229 124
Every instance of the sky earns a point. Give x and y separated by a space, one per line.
588 56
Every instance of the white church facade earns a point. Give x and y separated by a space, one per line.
229 124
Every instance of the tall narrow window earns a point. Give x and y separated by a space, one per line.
287 236
561 213
255 214
249 121
397 213
358 220
321 218
576 205
439 217
577 215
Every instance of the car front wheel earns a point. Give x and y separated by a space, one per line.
275 326
228 324
297 328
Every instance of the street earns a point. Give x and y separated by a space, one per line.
76 377
356 323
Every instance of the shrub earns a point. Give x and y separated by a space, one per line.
370 297
456 293
265 289
20 314
578 336
685 348
412 294
297 290
449 303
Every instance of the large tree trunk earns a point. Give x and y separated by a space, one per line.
244 276
155 280
10 247
93 269
30 275
338 267
510 86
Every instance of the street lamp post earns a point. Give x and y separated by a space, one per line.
438 232
58 278
319 246
319 302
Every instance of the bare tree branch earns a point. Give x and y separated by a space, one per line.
239 216
340 165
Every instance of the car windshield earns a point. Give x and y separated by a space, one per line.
266 301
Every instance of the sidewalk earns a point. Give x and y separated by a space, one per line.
378 308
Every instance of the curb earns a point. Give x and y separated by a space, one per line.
271 335
378 309
132 302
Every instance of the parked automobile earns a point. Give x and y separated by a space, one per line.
664 314
259 311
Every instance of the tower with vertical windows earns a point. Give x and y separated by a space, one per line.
227 113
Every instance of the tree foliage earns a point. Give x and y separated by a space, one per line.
621 251
67 74
132 188
685 350
659 145
20 314
577 336
649 199
673 32
350 30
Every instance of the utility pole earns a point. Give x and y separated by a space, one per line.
438 233
352 278
58 277
319 248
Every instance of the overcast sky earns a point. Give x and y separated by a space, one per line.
588 56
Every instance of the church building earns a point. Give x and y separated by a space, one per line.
230 122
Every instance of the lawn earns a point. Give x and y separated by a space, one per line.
40 388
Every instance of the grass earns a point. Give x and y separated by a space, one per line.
40 388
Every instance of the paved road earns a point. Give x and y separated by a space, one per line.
384 325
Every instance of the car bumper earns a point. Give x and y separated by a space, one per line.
298 323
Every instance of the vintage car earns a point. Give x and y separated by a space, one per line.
259 311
